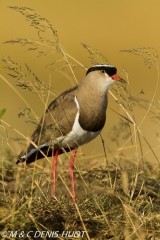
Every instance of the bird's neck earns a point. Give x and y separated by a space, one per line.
92 109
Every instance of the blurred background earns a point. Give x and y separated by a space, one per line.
109 27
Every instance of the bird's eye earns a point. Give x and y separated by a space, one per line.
102 71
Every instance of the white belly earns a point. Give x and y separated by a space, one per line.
78 138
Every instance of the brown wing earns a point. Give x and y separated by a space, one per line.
57 121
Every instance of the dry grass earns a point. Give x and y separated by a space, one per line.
118 196
114 203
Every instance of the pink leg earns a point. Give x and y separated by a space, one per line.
71 167
54 165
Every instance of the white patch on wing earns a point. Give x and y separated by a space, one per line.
78 136
33 150
47 144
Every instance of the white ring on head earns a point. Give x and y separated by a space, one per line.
102 65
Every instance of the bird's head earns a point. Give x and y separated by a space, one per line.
105 74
